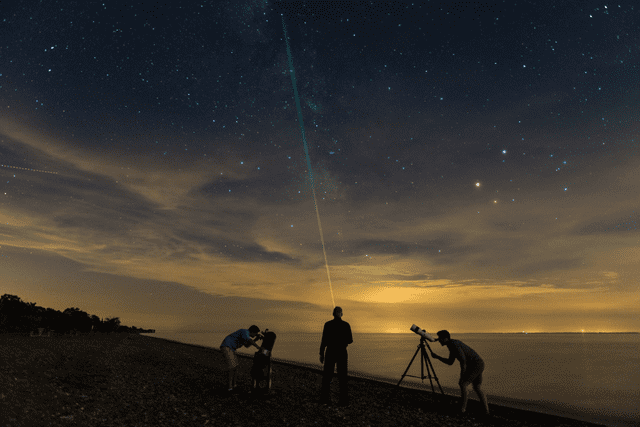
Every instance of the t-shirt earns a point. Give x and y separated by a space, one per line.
336 335
459 350
237 339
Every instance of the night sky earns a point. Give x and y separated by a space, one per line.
475 165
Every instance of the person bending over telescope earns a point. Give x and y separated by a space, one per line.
471 367
336 336
234 341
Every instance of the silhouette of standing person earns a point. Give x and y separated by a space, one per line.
471 367
336 336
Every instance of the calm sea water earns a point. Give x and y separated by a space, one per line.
592 376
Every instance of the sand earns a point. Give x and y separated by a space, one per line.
134 380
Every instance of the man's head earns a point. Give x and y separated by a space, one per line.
254 331
443 337
337 312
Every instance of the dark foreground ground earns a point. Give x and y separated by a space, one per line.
133 380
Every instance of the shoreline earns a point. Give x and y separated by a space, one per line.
540 407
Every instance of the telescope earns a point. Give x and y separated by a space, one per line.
261 370
424 334
424 359
268 340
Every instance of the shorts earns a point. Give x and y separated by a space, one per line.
230 356
473 374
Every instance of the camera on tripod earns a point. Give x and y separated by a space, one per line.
424 334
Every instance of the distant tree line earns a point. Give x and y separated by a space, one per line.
20 316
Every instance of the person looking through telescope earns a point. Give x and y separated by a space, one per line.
336 336
232 342
471 367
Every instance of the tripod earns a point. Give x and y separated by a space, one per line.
424 361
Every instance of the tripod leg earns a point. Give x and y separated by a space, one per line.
434 371
422 354
407 370
426 361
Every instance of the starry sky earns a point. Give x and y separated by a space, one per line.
474 164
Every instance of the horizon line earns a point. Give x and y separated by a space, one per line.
410 333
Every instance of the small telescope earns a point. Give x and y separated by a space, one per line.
424 359
268 340
261 370
424 334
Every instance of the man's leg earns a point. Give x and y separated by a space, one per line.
235 375
327 375
232 374
232 365
477 386
464 392
343 376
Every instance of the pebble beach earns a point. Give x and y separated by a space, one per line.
135 380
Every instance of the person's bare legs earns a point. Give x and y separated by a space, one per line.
477 386
232 377
482 397
464 392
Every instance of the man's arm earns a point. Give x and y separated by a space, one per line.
463 365
248 341
252 342
462 358
449 361
349 335
323 343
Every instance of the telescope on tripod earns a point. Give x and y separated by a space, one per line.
261 370
424 359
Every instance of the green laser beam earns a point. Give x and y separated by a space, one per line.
306 153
